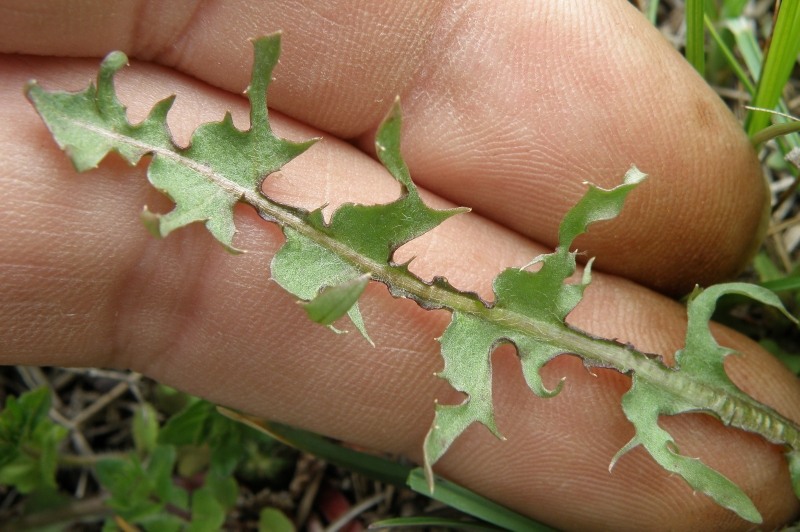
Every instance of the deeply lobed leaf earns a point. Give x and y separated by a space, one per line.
328 264
701 359
221 166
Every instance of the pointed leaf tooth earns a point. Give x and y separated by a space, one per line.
376 231
266 51
107 103
158 114
358 321
533 356
333 302
625 449
387 147
151 222
596 205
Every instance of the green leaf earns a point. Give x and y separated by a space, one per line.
695 37
140 492
542 297
782 55
29 442
145 428
327 263
702 358
129 487
273 520
794 470
360 239
642 404
221 166
208 515
207 440
333 302
225 490
159 472
188 426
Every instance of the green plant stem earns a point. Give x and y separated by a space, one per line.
774 131
651 11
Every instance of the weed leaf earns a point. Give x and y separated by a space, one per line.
328 263
335 301
359 240
220 167
701 358
543 297
29 442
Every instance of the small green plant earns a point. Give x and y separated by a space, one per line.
29 443
327 264
179 476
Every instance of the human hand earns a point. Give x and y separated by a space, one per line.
498 117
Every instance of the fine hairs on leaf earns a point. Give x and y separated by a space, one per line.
327 265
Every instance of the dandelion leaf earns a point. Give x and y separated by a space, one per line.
542 297
307 267
221 166
702 358
328 263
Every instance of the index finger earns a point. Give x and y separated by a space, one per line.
510 107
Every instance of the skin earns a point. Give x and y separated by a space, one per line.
508 108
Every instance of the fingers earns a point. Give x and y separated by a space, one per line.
85 285
509 107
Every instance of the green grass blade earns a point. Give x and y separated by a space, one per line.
734 64
733 8
369 465
778 65
747 44
438 522
473 504
390 472
651 11
785 284
695 35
